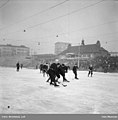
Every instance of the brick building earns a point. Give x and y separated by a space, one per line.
11 50
84 51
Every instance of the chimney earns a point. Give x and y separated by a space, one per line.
69 45
82 42
98 43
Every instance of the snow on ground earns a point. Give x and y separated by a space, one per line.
27 92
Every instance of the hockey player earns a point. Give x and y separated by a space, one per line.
53 72
17 66
90 70
75 67
62 71
44 69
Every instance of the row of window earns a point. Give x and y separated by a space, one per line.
83 55
13 53
19 49
10 51
87 55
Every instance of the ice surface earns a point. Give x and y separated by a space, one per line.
27 92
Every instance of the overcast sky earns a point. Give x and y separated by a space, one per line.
71 20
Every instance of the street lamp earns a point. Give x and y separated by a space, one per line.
79 55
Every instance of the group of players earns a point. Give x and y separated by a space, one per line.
56 69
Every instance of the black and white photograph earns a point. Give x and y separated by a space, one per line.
59 57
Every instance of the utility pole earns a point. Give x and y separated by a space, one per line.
79 55
32 57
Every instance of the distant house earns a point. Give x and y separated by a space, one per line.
44 57
114 54
11 50
84 51
61 46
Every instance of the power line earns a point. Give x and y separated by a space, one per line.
93 36
60 34
65 15
37 42
4 4
40 12
94 26
61 16
102 35
91 27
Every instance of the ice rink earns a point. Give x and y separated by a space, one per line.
27 92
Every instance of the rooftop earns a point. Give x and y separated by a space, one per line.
90 48
9 45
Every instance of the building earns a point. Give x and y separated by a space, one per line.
61 46
114 54
44 57
84 52
11 50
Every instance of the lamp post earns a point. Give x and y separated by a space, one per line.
79 55
31 57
